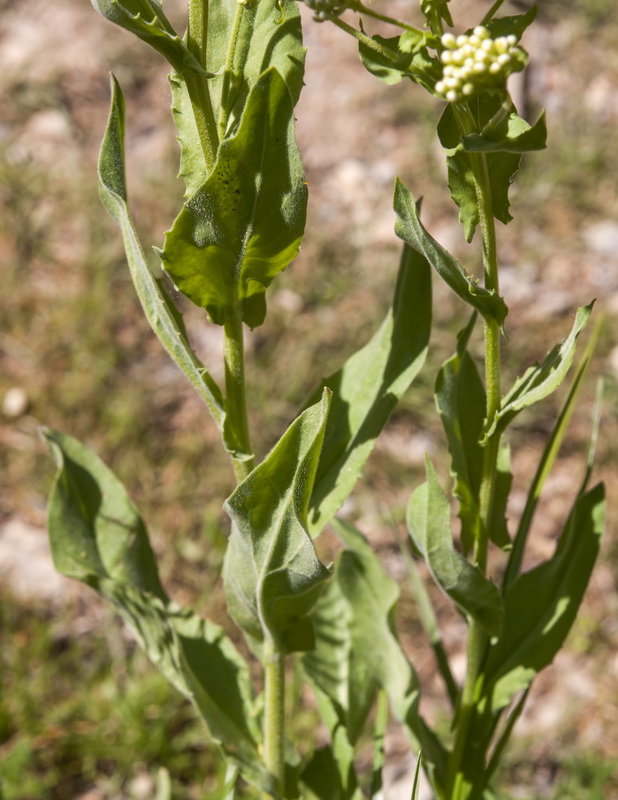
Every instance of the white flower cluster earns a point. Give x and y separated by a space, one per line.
471 62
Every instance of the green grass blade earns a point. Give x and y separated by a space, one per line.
417 778
163 785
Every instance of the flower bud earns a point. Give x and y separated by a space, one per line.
475 62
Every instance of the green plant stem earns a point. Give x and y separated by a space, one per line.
235 399
492 12
477 644
371 44
274 713
369 12
477 637
480 170
197 86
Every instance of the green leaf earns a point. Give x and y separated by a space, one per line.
429 522
550 453
379 733
503 157
502 169
244 225
409 228
272 575
373 596
436 12
401 56
243 41
321 776
146 19
461 403
368 387
498 528
158 306
388 70
512 135
541 380
330 772
95 530
335 665
98 537
541 605
462 186
193 168
507 26
268 35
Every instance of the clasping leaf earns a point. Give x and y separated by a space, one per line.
244 225
242 42
272 575
504 137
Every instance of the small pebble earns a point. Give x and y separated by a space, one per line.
15 402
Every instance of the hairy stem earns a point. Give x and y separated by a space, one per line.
235 399
197 85
274 713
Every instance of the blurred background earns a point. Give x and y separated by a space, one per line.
82 713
